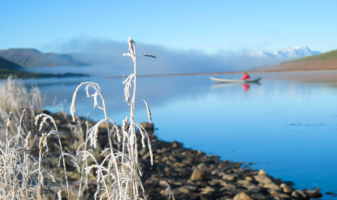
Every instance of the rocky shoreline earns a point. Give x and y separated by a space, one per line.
182 173
193 175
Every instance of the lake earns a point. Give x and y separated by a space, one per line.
286 127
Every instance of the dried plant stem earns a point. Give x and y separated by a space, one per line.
21 171
118 173
7 153
45 117
132 116
111 148
84 164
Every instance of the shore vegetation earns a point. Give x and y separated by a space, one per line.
324 56
22 172
4 73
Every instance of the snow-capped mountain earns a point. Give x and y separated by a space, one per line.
300 51
297 52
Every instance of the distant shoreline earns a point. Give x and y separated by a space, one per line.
219 73
4 73
289 67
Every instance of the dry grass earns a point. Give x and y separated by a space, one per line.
21 173
117 175
13 98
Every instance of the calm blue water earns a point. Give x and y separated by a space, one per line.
287 128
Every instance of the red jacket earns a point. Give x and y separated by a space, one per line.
246 76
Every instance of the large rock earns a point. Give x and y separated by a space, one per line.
198 175
228 187
143 151
202 166
228 177
253 188
147 126
244 183
188 189
176 144
189 160
264 179
208 189
331 193
258 196
262 172
219 181
272 186
284 196
146 156
286 188
314 193
242 196
204 196
103 125
299 194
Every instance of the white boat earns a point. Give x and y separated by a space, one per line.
221 80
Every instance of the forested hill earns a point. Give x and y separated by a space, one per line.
33 58
6 64
8 68
324 56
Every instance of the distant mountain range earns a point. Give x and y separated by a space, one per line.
33 58
286 54
168 61
28 58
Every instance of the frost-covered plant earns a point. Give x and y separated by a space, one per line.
118 174
21 173
22 151
168 191
14 97
43 147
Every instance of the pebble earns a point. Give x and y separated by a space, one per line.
242 196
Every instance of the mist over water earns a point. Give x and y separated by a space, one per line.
168 61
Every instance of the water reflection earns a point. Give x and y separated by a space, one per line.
267 125
245 86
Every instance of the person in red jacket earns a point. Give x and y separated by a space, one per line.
245 76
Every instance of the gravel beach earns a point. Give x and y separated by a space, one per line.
181 173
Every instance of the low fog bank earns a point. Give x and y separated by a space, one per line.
168 61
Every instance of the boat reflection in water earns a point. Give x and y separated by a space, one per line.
245 86
228 82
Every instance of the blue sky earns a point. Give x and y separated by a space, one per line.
208 26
